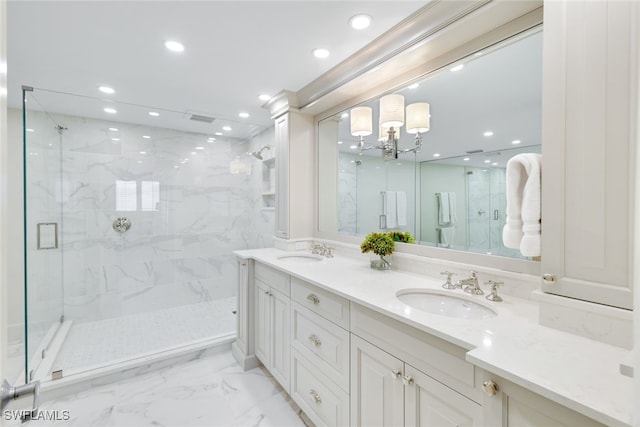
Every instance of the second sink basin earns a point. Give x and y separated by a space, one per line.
300 258
445 303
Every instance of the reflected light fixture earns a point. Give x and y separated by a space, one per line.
392 118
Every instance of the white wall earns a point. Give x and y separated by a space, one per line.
3 194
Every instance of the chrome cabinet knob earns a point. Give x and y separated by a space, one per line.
396 373
315 396
313 298
490 387
549 278
407 380
315 340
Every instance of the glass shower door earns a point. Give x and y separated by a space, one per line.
43 255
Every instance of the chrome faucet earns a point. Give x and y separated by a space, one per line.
322 249
471 284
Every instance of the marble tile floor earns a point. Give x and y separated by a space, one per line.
212 391
96 343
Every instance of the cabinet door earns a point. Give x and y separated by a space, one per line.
589 128
514 406
280 338
377 393
263 323
282 176
429 403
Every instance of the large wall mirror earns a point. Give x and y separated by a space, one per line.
445 185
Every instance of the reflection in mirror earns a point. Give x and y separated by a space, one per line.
450 193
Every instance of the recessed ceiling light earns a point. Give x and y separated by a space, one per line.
194 153
243 115
360 22
176 167
154 114
143 152
353 147
115 139
344 115
107 90
139 161
219 133
494 164
413 86
110 110
264 97
320 53
466 159
30 130
227 128
457 68
516 142
436 154
113 129
174 46
146 136
210 139
199 148
339 142
488 133
487 161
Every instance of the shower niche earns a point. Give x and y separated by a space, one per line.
269 184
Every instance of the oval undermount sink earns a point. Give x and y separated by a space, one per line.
445 304
300 258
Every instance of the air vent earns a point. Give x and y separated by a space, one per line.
200 118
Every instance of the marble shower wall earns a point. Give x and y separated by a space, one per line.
187 216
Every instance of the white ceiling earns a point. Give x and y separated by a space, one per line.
234 51
499 90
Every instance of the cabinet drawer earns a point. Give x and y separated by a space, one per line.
326 304
272 277
437 358
322 343
323 401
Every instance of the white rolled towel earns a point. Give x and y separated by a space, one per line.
523 182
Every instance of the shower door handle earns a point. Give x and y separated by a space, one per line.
496 214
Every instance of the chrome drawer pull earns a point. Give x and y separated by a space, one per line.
315 340
316 396
313 298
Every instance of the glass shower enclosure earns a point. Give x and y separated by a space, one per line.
130 224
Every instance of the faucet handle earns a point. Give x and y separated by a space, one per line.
448 284
474 274
493 296
328 252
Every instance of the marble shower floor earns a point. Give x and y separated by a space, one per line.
212 391
98 343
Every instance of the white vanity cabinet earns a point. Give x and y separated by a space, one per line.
385 391
320 354
590 96
514 406
272 322
388 389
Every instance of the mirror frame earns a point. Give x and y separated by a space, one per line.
454 51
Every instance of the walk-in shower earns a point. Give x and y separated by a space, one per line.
130 224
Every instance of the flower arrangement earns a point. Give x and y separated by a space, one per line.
402 236
381 244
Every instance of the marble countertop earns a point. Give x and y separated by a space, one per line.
573 371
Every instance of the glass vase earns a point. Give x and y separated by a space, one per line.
380 262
